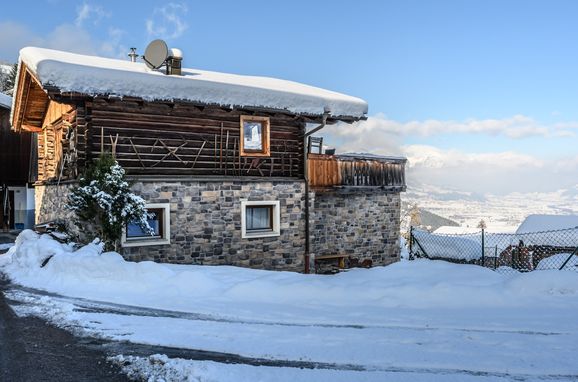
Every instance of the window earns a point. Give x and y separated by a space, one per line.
158 219
254 136
260 219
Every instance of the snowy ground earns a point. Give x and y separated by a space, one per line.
6 246
418 321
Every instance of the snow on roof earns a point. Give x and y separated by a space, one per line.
5 101
537 223
453 230
71 72
373 156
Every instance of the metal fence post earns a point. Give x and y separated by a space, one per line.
410 240
483 249
568 259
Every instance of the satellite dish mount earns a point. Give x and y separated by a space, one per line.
158 54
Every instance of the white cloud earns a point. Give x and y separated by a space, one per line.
68 37
91 12
15 36
166 22
113 46
489 172
516 127
424 156
485 171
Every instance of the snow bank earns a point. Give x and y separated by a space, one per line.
463 247
556 261
91 75
6 246
160 368
89 273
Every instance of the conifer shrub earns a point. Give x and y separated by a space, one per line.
104 204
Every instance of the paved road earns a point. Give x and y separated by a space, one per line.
32 350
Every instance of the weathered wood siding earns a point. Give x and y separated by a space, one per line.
349 171
323 170
58 128
14 153
182 139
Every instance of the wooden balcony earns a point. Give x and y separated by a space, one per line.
356 171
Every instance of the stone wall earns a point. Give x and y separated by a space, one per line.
50 204
206 224
362 224
205 219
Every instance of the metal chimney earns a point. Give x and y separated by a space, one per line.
174 62
133 55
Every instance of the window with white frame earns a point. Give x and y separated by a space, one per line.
159 221
260 219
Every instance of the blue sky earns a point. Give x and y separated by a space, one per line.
480 95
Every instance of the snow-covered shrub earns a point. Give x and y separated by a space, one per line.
104 204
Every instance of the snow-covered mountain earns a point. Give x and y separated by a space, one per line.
5 68
500 212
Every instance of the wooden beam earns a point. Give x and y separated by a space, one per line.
31 128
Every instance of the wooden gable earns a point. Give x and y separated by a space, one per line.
31 103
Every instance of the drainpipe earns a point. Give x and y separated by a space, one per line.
306 175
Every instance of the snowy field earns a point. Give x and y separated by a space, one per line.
412 321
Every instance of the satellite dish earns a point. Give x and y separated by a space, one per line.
156 54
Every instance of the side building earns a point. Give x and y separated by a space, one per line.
16 168
222 160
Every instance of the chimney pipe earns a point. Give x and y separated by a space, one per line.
174 62
133 55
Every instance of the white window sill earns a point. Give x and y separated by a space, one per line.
145 242
256 235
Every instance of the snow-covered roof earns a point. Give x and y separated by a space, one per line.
70 72
538 223
453 230
373 156
5 101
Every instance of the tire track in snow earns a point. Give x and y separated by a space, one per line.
144 350
91 306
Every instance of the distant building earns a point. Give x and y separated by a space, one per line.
16 192
539 223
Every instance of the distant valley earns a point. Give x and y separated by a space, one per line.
500 212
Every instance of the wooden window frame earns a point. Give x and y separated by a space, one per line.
164 229
275 219
265 134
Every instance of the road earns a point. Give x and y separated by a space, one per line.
32 350
446 351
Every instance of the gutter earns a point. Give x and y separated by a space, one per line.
307 255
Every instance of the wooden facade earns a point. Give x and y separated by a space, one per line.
159 139
353 171
180 139
15 153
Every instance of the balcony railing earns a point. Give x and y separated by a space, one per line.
356 170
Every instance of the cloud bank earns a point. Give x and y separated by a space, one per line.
167 21
497 172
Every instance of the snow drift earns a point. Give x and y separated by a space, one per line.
90 273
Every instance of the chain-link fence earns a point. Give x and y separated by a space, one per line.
500 251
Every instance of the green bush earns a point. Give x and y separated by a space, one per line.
104 204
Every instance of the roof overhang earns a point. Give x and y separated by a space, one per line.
62 73
30 102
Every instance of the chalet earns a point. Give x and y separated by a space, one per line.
16 191
225 162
